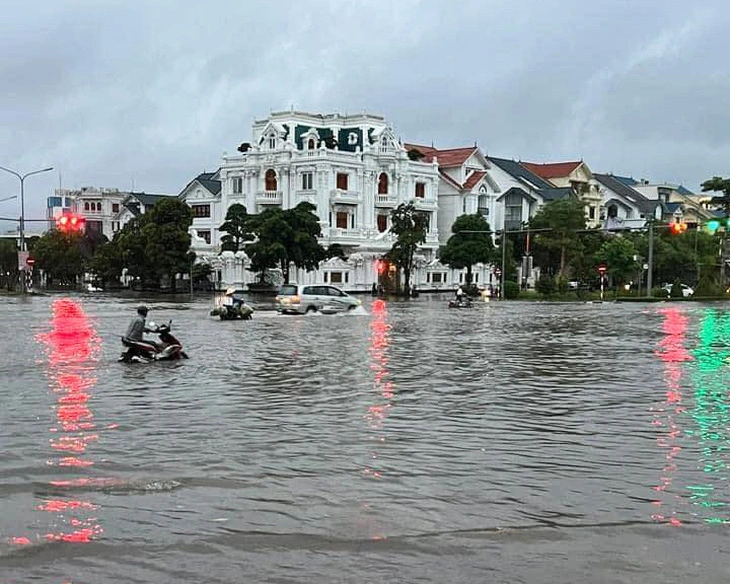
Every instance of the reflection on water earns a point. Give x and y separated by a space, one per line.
711 415
72 348
671 350
383 387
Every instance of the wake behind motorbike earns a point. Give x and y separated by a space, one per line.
463 302
167 349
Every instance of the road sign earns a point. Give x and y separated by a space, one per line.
30 261
22 259
497 272
602 269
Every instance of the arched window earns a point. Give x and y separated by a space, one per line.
612 211
311 144
270 180
383 184
86 206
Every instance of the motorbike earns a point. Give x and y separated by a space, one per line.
234 311
464 302
167 349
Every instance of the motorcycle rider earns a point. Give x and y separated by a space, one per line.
459 294
137 327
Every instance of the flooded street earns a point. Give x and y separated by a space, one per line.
511 442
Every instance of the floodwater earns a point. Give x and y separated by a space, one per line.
512 442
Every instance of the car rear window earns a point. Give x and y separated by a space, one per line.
288 290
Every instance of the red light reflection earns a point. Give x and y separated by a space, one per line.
72 348
379 343
672 352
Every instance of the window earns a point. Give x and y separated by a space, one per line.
591 212
383 184
237 185
483 206
342 181
310 144
426 219
382 223
201 210
205 234
86 206
335 278
272 142
307 181
341 219
420 190
512 210
115 207
115 226
437 277
270 180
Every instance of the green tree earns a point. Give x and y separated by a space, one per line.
617 253
59 255
9 262
409 226
719 185
106 263
236 227
565 218
286 237
471 243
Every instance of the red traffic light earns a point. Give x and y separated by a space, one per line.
677 228
70 222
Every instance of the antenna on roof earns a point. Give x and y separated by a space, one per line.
431 143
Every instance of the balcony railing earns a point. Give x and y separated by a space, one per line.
424 204
269 197
385 201
340 233
343 196
309 196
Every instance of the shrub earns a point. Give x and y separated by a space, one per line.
511 290
545 285
707 286
562 285
658 292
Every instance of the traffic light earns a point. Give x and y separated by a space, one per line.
713 225
70 223
677 228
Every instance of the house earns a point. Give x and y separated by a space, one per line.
622 206
522 193
133 205
351 167
203 195
98 206
576 176
680 204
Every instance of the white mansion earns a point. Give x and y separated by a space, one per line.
355 171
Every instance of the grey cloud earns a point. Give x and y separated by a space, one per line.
154 92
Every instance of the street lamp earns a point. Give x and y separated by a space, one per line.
21 178
8 198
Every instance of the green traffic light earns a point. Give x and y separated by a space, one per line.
713 225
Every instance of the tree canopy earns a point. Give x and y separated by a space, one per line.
471 243
236 227
409 226
565 218
286 237
719 185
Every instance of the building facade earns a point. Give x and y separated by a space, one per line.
352 168
97 205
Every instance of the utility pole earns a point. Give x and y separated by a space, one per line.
504 263
650 260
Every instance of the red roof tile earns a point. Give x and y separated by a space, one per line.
552 170
474 178
446 158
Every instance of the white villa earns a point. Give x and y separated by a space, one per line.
351 167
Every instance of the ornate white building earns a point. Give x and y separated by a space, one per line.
351 167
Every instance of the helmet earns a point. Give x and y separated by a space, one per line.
142 310
231 291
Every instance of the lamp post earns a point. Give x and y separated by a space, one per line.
21 178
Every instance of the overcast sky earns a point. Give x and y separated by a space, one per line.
149 93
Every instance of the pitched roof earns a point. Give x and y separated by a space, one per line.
555 194
474 178
206 179
148 199
446 158
553 169
672 207
619 186
516 170
684 191
627 180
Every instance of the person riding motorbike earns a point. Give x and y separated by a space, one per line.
138 326
459 294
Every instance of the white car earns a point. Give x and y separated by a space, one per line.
299 299
686 290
